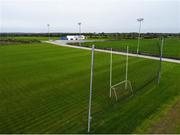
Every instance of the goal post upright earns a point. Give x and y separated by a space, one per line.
91 85
110 82
160 65
126 78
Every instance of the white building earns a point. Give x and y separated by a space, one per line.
75 37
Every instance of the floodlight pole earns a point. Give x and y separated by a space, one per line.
139 20
79 33
48 25
126 78
110 92
91 85
160 66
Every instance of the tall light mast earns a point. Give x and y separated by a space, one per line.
48 25
140 21
79 23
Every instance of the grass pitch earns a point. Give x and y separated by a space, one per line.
45 88
147 46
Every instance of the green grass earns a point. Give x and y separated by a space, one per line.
147 46
44 89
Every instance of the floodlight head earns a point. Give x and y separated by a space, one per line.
79 23
140 19
48 25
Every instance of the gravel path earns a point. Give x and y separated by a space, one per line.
64 43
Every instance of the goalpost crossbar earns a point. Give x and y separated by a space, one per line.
118 84
125 81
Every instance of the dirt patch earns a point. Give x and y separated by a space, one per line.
169 123
15 41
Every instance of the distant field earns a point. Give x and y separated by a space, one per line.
29 38
147 46
44 89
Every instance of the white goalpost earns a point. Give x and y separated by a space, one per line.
126 82
114 89
110 92
90 91
160 66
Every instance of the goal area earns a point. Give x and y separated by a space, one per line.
118 76
121 88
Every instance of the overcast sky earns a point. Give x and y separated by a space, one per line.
95 15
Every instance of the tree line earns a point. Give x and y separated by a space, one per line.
102 35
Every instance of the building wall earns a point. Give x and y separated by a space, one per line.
75 37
